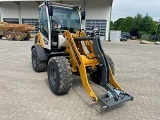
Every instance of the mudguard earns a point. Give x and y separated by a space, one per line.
40 52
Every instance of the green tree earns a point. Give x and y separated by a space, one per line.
124 24
129 24
157 26
118 25
147 26
138 21
137 26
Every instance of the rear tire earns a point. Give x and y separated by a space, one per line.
19 36
111 64
95 76
36 64
1 36
59 75
9 35
28 37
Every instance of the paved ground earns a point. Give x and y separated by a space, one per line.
25 95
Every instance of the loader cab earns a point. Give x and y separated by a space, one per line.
54 19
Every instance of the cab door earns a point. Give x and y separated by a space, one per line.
44 25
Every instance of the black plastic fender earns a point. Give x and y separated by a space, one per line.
40 52
53 54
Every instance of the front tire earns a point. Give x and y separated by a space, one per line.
59 75
36 64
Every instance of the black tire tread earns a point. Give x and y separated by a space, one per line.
111 64
1 36
40 66
28 36
64 73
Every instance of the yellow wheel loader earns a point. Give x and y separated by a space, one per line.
63 49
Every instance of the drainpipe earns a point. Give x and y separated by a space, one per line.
110 20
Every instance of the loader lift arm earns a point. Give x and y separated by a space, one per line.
95 57
80 63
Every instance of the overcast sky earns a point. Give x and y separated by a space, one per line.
124 8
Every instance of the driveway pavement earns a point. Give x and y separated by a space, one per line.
25 94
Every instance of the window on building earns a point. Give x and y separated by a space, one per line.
31 22
11 20
101 24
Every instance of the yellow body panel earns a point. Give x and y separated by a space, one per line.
79 61
40 39
113 81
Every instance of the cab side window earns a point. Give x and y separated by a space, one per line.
43 21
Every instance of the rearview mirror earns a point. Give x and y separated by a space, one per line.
50 10
83 15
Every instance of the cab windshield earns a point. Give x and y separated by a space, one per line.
67 18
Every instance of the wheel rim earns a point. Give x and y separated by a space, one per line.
53 76
18 36
9 36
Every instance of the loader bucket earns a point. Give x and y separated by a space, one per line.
110 102
115 95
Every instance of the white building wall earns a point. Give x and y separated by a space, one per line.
115 35
29 10
9 10
99 9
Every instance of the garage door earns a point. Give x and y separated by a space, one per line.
11 20
101 24
31 22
